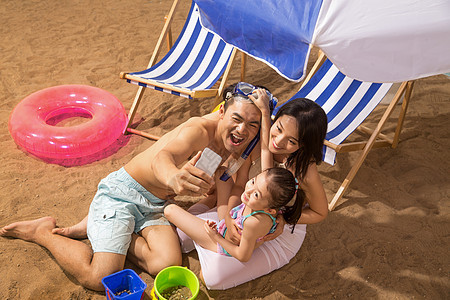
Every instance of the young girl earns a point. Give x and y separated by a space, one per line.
264 197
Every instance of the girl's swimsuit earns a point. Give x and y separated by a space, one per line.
239 219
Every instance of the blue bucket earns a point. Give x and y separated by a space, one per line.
125 284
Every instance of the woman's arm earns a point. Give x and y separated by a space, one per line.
317 209
262 102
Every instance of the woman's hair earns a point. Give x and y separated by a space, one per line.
283 188
312 129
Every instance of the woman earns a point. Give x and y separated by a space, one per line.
296 141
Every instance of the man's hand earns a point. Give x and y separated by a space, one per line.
190 180
280 227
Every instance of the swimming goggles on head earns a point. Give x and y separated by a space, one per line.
246 89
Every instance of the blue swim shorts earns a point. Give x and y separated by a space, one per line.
120 207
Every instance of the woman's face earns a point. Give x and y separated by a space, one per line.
283 137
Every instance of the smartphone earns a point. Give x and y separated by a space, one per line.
209 161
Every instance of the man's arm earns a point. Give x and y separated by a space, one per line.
187 180
235 199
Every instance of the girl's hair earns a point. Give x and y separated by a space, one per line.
283 189
312 129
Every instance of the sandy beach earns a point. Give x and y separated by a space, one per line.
388 238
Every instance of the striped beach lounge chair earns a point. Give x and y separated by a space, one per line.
191 67
347 103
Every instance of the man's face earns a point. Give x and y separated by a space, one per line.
239 125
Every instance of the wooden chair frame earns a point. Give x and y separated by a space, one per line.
376 138
166 34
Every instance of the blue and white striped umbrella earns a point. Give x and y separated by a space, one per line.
369 40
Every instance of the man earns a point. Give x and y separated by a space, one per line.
126 212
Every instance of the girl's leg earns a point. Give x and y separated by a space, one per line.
140 252
203 212
190 225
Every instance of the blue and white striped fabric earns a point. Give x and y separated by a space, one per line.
370 40
195 62
347 102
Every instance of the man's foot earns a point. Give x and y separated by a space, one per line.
77 231
28 230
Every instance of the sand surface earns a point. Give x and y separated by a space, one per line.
388 239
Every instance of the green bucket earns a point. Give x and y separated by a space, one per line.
174 276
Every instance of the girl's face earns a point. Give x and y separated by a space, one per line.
284 136
256 196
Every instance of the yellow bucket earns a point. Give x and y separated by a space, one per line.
174 276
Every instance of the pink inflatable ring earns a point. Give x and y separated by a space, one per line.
33 122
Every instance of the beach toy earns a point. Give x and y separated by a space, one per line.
172 277
218 106
125 284
35 124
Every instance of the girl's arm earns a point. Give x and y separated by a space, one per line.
255 227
